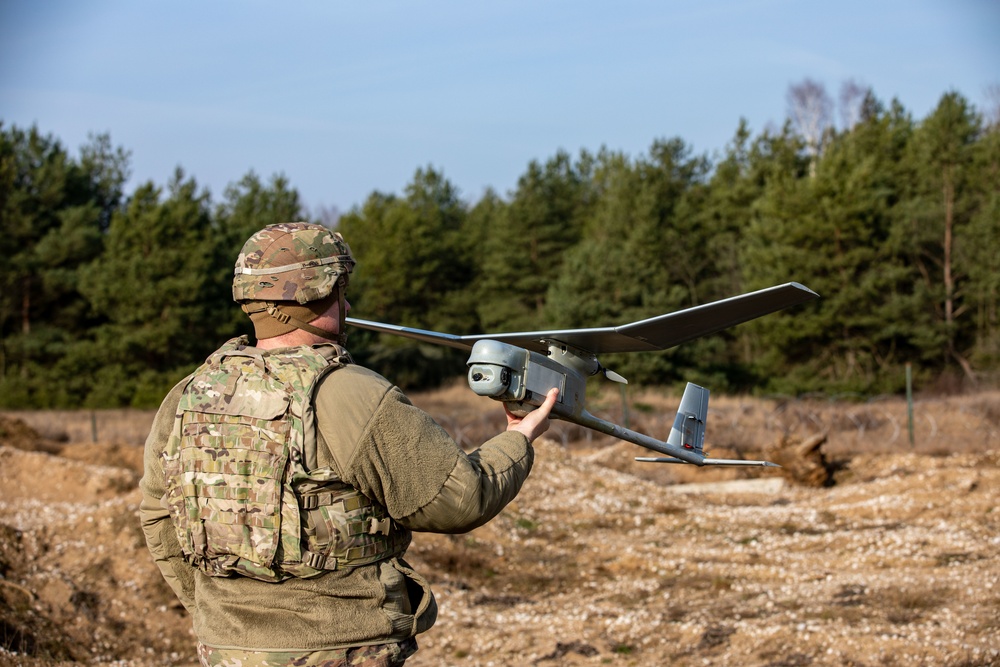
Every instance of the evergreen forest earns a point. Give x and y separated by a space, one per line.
108 297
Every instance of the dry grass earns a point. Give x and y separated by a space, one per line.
123 427
941 425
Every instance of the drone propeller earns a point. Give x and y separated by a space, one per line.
614 377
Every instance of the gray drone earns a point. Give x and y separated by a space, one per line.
520 368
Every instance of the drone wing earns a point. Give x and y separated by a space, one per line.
656 333
450 340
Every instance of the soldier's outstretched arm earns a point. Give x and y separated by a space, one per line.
396 454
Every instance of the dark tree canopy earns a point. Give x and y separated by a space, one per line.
109 297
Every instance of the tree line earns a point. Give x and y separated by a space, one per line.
107 298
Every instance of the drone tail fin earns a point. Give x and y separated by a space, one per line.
688 431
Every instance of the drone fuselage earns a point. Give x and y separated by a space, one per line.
519 368
521 379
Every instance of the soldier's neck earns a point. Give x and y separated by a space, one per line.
291 339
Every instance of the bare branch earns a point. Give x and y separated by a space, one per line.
852 96
991 111
810 107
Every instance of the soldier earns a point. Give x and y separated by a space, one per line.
282 481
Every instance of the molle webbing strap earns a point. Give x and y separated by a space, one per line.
342 313
354 556
277 313
314 500
274 319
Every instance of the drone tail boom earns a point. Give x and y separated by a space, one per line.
688 433
521 378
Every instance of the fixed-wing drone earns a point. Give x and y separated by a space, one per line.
520 368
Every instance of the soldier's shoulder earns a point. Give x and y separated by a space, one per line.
170 402
354 380
357 373
346 401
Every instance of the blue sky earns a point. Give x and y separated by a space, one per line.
345 98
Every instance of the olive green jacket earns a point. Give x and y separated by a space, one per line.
376 440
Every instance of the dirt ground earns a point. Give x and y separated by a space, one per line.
893 559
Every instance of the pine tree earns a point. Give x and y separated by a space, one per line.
52 213
941 201
779 245
640 254
522 253
412 270
154 285
976 252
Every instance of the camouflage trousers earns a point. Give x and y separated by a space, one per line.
381 655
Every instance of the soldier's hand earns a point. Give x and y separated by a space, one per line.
535 422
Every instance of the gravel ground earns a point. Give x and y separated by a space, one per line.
591 566
898 563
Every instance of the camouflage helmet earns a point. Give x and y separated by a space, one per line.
291 261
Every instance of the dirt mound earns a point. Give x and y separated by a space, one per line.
802 461
115 455
15 433
595 562
76 582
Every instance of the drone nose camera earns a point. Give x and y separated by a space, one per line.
497 370
489 379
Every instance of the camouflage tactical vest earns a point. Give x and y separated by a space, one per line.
240 495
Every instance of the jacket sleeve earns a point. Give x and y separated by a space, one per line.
161 538
397 454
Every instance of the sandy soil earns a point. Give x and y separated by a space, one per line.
598 561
